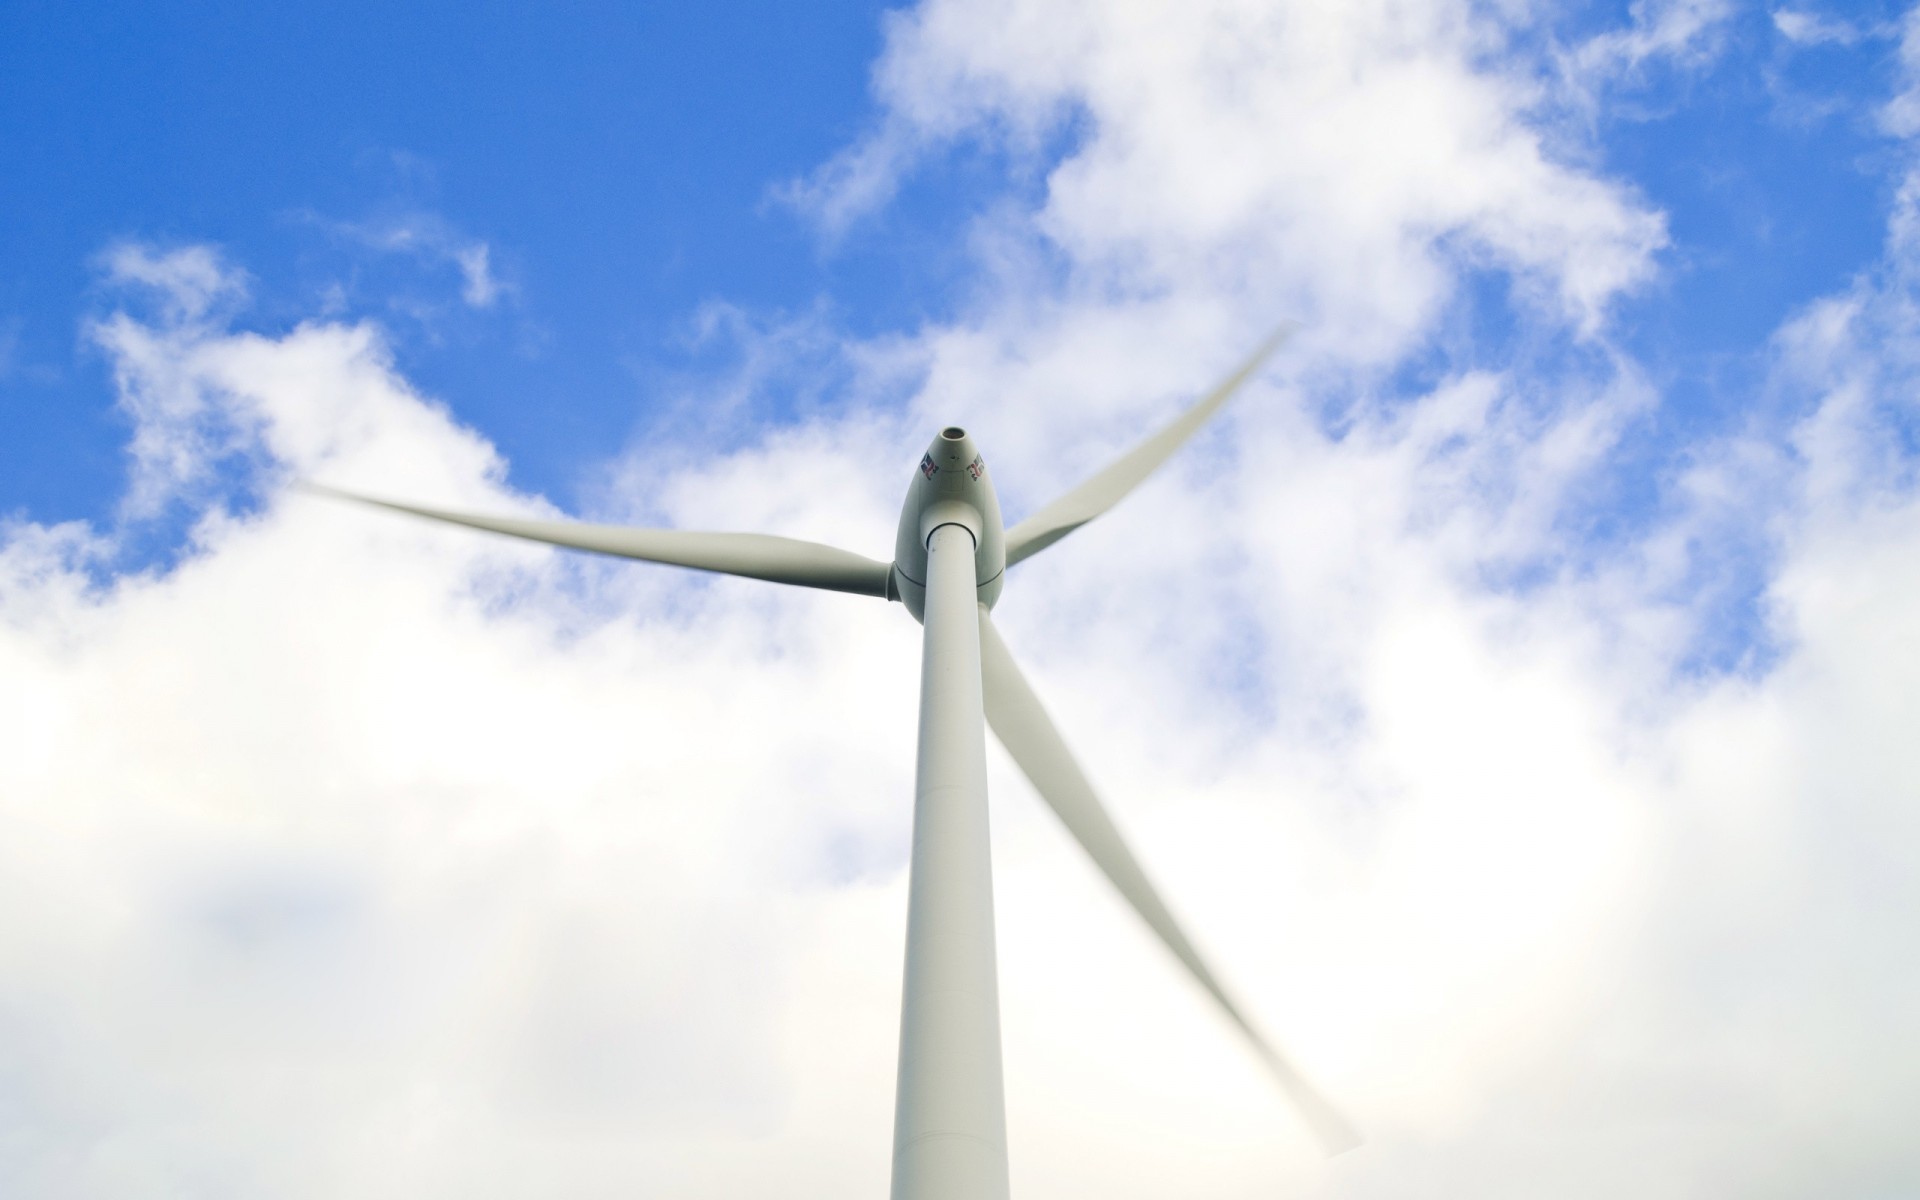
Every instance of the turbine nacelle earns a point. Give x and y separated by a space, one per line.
951 487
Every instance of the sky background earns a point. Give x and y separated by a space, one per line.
1514 693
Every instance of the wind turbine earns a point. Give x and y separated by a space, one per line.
949 564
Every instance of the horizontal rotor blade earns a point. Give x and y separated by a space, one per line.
1111 485
1023 727
753 555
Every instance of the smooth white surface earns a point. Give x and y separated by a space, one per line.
752 555
950 1125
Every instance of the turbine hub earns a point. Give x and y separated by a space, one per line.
952 487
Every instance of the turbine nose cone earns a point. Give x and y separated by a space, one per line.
953 450
951 487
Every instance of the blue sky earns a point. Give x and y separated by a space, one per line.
1514 689
623 167
617 161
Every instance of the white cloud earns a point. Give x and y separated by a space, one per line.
1335 161
482 289
1901 116
353 857
1681 31
275 926
1815 29
190 281
430 238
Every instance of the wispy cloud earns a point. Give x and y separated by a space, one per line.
430 239
190 282
1685 32
1816 29
481 289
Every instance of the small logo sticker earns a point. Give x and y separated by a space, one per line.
977 468
927 468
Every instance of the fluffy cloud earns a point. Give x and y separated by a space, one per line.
346 856
342 844
1335 161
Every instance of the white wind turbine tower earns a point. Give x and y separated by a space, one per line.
949 564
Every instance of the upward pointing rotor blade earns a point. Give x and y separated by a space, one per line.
1024 728
753 555
1110 486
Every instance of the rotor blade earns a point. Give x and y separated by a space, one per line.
754 555
1024 728
1110 485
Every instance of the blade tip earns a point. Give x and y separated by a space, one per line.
313 487
1340 1141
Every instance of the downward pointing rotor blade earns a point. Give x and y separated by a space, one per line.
1024 728
1110 486
754 555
